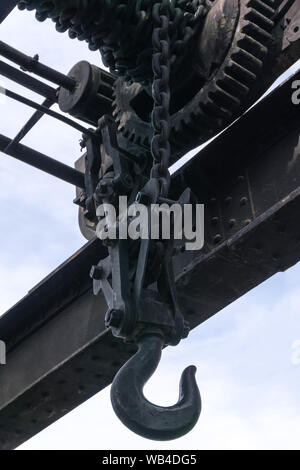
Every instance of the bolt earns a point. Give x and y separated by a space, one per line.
228 200
113 318
103 187
231 223
212 200
243 201
217 238
96 272
247 222
215 220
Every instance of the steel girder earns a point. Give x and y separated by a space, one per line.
59 353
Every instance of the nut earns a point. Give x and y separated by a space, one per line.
113 318
96 272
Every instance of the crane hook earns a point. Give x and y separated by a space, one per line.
136 412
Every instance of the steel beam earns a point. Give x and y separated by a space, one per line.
32 64
27 81
32 121
6 7
42 162
59 354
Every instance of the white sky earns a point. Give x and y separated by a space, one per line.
248 371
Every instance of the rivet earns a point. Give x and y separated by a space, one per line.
215 220
243 201
231 223
217 238
228 200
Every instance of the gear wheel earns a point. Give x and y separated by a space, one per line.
229 55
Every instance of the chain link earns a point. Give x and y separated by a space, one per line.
160 146
122 30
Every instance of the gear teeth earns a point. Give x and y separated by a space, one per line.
251 45
218 102
214 110
247 60
262 7
271 3
257 33
187 131
259 19
232 85
222 98
205 121
240 73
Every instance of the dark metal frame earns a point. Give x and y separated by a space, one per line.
59 353
13 147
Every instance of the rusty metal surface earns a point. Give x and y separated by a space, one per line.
58 353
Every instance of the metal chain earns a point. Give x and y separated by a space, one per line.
160 146
121 29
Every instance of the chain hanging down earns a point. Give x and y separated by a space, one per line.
160 145
128 400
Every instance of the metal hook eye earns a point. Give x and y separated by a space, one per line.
137 413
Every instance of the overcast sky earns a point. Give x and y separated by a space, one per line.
247 359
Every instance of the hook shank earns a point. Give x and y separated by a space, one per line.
143 417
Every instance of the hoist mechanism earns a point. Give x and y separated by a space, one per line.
220 52
180 71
